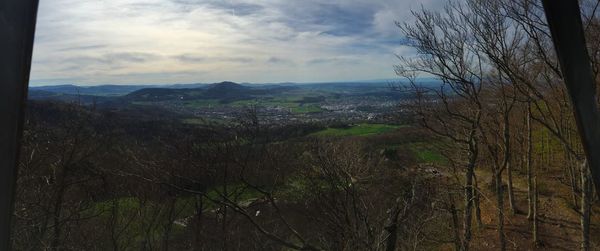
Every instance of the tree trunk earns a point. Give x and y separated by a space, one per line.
54 245
391 227
58 203
198 223
469 174
455 224
546 150
114 224
168 227
528 164
500 209
535 233
586 194
511 195
573 180
468 211
477 196
224 233
506 161
549 155
392 230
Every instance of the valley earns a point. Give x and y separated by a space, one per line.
222 102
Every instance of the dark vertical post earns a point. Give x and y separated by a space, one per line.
564 19
17 27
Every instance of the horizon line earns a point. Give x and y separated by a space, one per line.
246 83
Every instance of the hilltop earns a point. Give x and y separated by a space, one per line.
224 92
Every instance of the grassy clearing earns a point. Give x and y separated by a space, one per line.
544 140
307 109
236 192
139 220
357 130
147 220
426 154
184 206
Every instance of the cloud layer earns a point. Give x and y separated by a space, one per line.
186 41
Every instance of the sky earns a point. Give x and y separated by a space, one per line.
91 42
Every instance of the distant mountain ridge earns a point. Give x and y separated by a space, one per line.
224 91
105 90
121 90
100 90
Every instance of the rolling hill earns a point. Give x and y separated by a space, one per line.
224 91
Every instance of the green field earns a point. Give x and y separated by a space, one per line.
145 220
357 130
307 109
427 154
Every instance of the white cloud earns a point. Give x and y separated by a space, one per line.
184 41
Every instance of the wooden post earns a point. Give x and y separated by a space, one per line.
17 26
564 19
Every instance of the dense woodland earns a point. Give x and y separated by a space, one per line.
511 173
